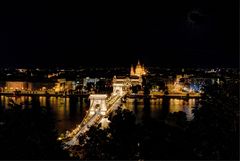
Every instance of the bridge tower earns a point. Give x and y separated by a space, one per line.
118 89
98 104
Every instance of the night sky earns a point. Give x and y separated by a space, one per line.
173 33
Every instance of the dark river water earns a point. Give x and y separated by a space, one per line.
70 111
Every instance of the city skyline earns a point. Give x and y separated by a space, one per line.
119 81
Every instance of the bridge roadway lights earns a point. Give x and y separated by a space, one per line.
98 104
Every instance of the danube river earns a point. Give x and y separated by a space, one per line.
70 111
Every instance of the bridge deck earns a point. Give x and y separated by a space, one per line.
72 138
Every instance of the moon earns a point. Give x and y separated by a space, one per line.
195 17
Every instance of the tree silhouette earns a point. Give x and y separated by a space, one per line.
29 133
116 142
216 124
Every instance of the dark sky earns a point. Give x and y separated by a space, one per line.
172 33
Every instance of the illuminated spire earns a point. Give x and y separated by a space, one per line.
138 62
143 70
132 70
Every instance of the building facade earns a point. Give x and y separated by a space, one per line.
139 70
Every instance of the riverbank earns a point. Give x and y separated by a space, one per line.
43 94
166 96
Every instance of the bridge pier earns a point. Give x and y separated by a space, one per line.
98 104
117 89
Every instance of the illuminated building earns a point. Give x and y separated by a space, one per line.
138 71
27 86
18 85
128 81
90 80
22 70
64 85
52 75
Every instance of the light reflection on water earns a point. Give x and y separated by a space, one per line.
70 111
158 106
